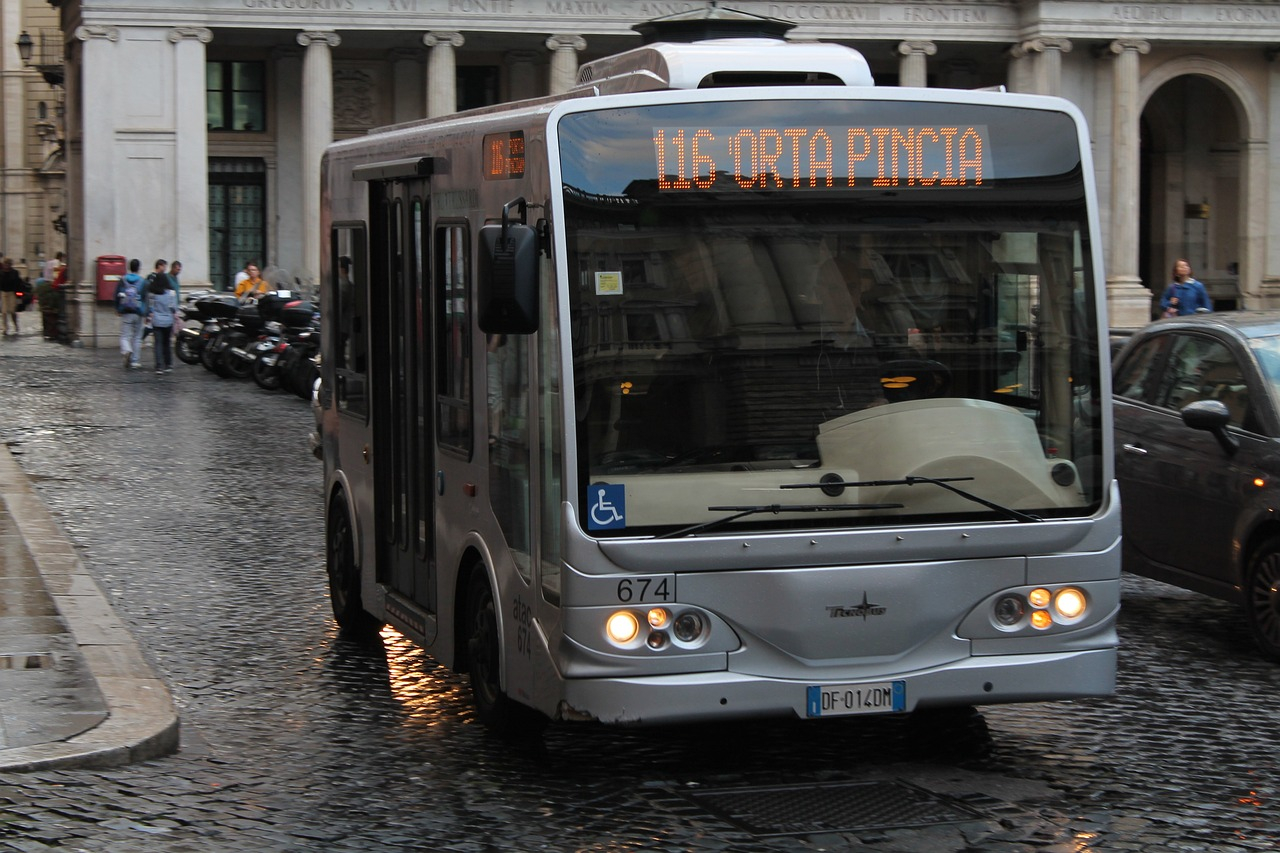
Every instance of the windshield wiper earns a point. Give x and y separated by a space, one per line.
944 482
744 511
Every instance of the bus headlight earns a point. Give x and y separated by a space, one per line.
622 627
689 627
1038 608
1009 610
1070 603
658 628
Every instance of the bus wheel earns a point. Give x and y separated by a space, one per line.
1262 598
344 574
484 652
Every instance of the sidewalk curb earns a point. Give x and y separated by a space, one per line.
141 723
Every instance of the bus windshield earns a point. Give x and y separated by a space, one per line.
887 317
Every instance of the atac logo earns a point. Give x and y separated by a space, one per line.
864 610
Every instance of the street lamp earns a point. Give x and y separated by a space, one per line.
24 47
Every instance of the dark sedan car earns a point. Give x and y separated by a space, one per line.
1197 427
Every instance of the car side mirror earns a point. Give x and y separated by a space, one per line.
1213 417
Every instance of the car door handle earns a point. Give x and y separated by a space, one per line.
1135 449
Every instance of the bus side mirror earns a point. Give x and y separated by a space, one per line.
508 285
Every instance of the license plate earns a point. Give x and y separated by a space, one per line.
841 700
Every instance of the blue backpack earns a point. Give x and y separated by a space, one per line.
129 301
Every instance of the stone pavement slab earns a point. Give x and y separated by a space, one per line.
75 690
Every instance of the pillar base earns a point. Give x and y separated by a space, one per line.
1267 295
1128 303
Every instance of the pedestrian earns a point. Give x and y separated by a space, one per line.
10 284
129 305
252 286
158 273
243 274
49 271
162 311
175 269
1184 295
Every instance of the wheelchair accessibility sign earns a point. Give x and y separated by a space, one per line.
608 510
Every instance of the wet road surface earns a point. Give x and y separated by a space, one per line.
195 504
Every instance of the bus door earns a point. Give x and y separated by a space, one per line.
404 438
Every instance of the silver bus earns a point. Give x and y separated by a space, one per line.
725 385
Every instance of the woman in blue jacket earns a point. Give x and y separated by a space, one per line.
1184 295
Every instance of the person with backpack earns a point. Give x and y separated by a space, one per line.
130 307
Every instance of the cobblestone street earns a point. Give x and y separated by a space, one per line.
196 505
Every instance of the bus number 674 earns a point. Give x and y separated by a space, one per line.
644 590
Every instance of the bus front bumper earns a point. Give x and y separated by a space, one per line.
696 697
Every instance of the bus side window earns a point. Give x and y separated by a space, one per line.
350 307
453 337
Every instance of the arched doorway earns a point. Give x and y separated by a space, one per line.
1196 187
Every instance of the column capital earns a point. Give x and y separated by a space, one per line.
916 47
1041 44
202 34
1120 46
310 37
443 37
562 41
87 32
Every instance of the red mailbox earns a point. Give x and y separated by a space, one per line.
111 268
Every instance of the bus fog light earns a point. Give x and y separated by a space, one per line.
657 640
1041 619
1009 610
688 627
1070 603
622 627
659 618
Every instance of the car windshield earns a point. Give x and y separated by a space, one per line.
793 356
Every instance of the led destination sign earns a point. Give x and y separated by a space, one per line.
832 157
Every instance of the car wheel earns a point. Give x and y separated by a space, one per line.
344 574
484 652
1262 598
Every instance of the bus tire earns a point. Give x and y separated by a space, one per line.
495 709
1262 598
344 574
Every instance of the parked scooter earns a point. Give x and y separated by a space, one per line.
208 311
298 363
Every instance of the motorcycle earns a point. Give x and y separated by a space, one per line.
209 310
298 361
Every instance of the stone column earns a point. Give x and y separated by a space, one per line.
1270 270
406 70
442 72
13 237
1128 301
285 185
1255 175
91 136
913 67
317 133
564 62
1045 54
191 152
522 80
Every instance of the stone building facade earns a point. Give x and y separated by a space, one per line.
32 162
195 128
